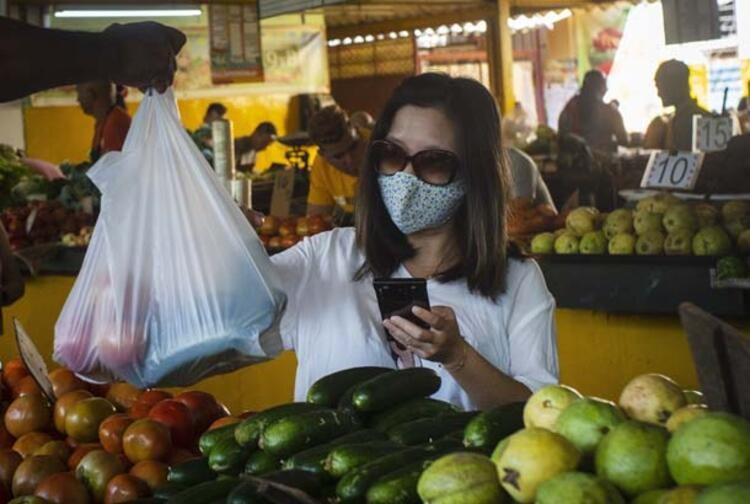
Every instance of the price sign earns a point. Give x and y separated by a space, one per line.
672 170
281 196
711 134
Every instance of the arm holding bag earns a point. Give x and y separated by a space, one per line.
175 285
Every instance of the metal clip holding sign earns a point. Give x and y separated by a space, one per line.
711 134
672 170
33 360
281 197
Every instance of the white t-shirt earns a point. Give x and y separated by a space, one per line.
333 322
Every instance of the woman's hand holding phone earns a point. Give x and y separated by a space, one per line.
441 342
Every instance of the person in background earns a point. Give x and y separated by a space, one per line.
516 127
674 131
362 119
246 148
202 136
214 112
11 281
587 116
743 111
135 54
341 151
97 99
526 181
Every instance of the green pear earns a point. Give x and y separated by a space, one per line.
725 494
679 242
593 243
680 217
577 488
650 243
460 478
586 421
622 244
681 495
546 404
566 243
530 457
711 449
543 243
711 241
646 221
633 457
618 221
651 398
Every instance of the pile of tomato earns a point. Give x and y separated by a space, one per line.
95 443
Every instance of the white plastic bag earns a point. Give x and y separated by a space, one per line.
175 285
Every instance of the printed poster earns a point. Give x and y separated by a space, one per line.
235 51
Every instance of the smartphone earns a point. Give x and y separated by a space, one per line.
397 296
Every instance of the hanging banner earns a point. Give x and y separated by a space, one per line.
598 34
234 32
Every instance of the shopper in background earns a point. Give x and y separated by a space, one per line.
11 281
341 151
136 54
247 148
675 130
97 99
587 116
526 183
431 204
214 112
362 119
743 111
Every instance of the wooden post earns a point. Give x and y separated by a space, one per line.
500 56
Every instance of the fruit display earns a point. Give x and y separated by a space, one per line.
43 222
660 224
525 218
281 233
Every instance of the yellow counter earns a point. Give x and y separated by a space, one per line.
599 352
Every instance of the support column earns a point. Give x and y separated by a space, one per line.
500 56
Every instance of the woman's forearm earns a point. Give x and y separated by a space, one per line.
486 385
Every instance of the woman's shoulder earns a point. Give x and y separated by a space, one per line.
523 273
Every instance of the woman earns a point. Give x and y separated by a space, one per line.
587 115
431 204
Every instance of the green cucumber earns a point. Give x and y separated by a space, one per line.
399 486
248 431
382 392
421 407
228 457
191 472
261 462
488 428
292 434
328 390
354 485
345 458
425 430
210 438
167 490
313 459
207 491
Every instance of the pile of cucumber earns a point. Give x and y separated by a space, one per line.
364 435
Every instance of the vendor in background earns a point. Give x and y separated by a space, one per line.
527 187
97 99
11 281
673 131
333 177
587 116
214 112
247 148
431 204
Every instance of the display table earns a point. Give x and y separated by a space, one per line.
599 351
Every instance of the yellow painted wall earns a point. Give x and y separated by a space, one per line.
64 133
599 352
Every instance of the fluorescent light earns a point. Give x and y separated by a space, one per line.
113 13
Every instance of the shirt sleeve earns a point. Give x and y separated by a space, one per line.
319 193
522 179
531 330
114 132
294 268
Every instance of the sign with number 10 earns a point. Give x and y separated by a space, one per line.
667 170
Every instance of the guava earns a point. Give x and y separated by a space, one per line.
725 494
733 210
711 241
735 227
460 478
576 488
706 213
651 398
679 242
693 396
582 220
619 221
681 495
593 242
743 241
646 221
622 244
658 203
680 217
546 404
650 243
566 243
684 415
543 243
586 421
650 497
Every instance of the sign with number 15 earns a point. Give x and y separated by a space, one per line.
678 170
711 134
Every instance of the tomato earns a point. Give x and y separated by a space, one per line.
123 395
180 455
221 422
5 495
111 431
32 471
203 406
62 488
96 469
177 417
247 414
6 440
83 418
26 386
289 240
63 405
9 462
152 472
13 371
125 488
147 439
81 451
146 401
274 242
64 380
57 448
99 389
31 442
27 414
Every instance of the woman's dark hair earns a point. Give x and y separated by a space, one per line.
480 220
592 89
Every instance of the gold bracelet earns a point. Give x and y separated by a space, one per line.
461 363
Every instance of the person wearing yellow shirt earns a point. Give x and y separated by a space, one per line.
334 173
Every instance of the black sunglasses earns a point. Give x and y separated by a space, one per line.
434 166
